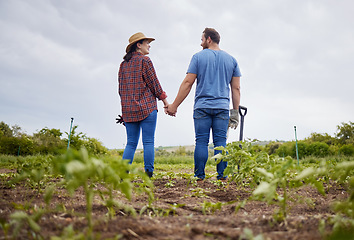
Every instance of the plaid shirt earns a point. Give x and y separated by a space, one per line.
138 88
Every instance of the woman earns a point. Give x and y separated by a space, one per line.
139 88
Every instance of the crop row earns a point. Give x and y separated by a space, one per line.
271 178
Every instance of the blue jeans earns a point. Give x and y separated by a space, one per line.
205 119
147 126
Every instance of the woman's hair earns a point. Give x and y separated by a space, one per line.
132 49
213 34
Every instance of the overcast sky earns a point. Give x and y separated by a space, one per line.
59 59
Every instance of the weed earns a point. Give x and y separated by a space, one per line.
199 193
170 183
209 207
172 209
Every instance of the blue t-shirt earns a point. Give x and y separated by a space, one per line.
214 69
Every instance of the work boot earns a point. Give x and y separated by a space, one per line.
223 179
149 174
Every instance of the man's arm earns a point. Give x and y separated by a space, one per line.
235 95
183 92
235 92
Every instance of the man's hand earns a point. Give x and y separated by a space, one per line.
183 92
234 119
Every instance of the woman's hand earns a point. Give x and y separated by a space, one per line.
165 108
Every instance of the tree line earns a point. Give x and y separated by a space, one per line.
13 141
317 144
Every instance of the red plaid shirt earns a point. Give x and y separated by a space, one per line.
138 88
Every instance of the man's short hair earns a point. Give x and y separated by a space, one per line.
213 34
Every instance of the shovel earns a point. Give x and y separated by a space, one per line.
242 111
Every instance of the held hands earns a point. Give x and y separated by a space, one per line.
234 119
170 110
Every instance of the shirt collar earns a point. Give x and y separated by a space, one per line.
137 53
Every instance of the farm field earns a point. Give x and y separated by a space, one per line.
182 208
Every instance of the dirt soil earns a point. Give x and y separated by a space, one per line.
187 221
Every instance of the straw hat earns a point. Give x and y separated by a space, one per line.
135 38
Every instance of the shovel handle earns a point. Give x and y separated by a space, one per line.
240 108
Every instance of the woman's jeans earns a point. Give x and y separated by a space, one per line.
147 126
204 120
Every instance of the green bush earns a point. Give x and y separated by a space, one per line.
285 149
116 152
302 149
48 141
318 137
17 146
347 150
333 150
272 147
256 148
94 146
318 149
45 141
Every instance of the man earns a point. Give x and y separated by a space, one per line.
216 71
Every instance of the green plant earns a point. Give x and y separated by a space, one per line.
219 184
343 173
170 175
170 183
248 234
238 159
48 141
345 133
242 163
184 175
81 170
240 205
347 150
199 192
20 220
266 173
278 176
5 226
69 233
34 177
209 207
172 209
343 228
34 171
318 149
4 177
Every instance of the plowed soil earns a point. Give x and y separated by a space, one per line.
186 220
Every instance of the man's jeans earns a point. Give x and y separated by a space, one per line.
147 126
204 120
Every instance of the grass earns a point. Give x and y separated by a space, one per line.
163 164
174 164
